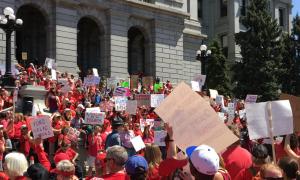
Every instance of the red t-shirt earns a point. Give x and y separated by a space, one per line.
1 153
17 128
236 158
95 144
245 174
43 157
153 173
64 138
118 176
24 145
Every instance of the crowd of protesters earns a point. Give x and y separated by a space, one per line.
106 152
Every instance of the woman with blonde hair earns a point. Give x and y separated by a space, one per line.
154 158
15 165
65 170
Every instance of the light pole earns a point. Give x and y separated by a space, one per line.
202 55
9 24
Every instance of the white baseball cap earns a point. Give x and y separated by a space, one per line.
204 158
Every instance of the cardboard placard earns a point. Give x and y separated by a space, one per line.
196 86
213 93
41 127
138 143
258 119
295 104
156 99
250 98
120 103
147 81
159 138
143 99
131 106
91 80
188 114
94 116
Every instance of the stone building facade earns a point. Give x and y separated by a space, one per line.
122 37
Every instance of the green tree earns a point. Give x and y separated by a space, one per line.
261 48
217 70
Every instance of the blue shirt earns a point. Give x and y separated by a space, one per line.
113 139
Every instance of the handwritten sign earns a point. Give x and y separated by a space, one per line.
143 99
156 99
251 98
131 106
91 80
120 103
220 100
41 127
258 119
196 86
159 138
94 116
138 143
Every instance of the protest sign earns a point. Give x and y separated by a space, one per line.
295 104
65 85
213 93
156 99
147 81
50 63
138 143
91 80
251 98
41 127
95 72
188 114
134 80
131 106
242 113
159 138
222 116
143 99
14 70
230 111
122 91
53 74
94 116
106 106
200 78
120 103
146 122
196 86
73 134
257 119
220 100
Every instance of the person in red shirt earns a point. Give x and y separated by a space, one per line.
24 141
95 145
148 136
2 147
67 152
137 131
63 137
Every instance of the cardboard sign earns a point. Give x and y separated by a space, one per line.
196 86
131 106
295 104
91 80
147 81
41 127
188 114
121 91
73 134
200 78
53 74
251 98
106 106
94 116
120 103
220 100
258 120
50 63
156 99
95 72
134 80
143 99
213 93
138 143
159 138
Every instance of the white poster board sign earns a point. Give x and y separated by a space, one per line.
201 79
94 116
131 106
220 100
230 111
138 143
41 127
159 138
258 120
95 72
196 86
156 99
91 80
213 93
53 74
251 98
50 63
120 103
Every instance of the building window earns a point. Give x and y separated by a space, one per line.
148 1
281 17
223 8
200 9
224 44
243 7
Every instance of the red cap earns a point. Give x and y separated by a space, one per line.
168 166
60 156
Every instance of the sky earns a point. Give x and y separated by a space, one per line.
296 7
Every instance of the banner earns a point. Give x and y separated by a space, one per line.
143 99
188 114
156 99
91 80
41 127
258 119
131 106
122 91
196 86
251 98
120 103
213 93
94 116
159 138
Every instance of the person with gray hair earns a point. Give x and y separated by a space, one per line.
116 157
